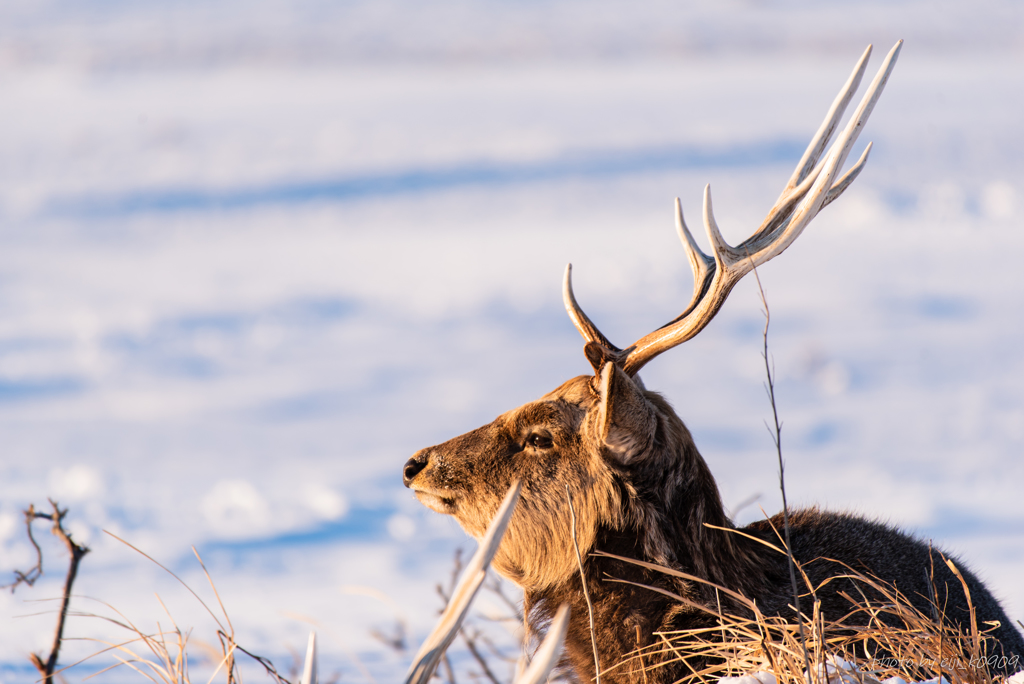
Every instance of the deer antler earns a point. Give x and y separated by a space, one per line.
811 188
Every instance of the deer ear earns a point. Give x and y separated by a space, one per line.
597 355
625 419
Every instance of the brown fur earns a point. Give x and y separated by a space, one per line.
640 489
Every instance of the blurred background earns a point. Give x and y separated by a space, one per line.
255 254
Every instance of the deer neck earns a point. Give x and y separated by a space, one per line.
620 613
685 529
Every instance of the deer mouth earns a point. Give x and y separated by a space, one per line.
437 501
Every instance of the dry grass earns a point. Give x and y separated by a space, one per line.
879 638
163 656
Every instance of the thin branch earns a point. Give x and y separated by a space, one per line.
586 592
395 641
470 642
777 439
30 576
48 666
449 672
267 664
494 649
498 589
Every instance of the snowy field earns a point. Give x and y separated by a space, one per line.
253 255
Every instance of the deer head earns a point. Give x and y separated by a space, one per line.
617 451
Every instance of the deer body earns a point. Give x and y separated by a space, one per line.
620 457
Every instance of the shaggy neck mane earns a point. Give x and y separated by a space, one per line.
669 499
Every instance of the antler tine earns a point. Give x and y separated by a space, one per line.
583 324
810 165
724 253
817 145
761 248
807 192
836 190
867 104
701 264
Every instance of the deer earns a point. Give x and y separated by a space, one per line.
613 486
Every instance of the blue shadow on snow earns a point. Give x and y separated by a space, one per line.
593 164
360 524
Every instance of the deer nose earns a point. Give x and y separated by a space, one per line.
413 467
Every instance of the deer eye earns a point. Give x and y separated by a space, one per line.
539 441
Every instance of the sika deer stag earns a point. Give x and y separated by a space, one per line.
641 490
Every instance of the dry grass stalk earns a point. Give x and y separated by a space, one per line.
586 593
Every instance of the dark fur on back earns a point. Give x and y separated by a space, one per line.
641 490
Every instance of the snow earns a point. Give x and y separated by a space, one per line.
753 678
253 256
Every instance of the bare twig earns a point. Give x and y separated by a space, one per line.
48 666
446 592
30 576
496 587
776 434
470 641
448 671
396 640
586 591
267 664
